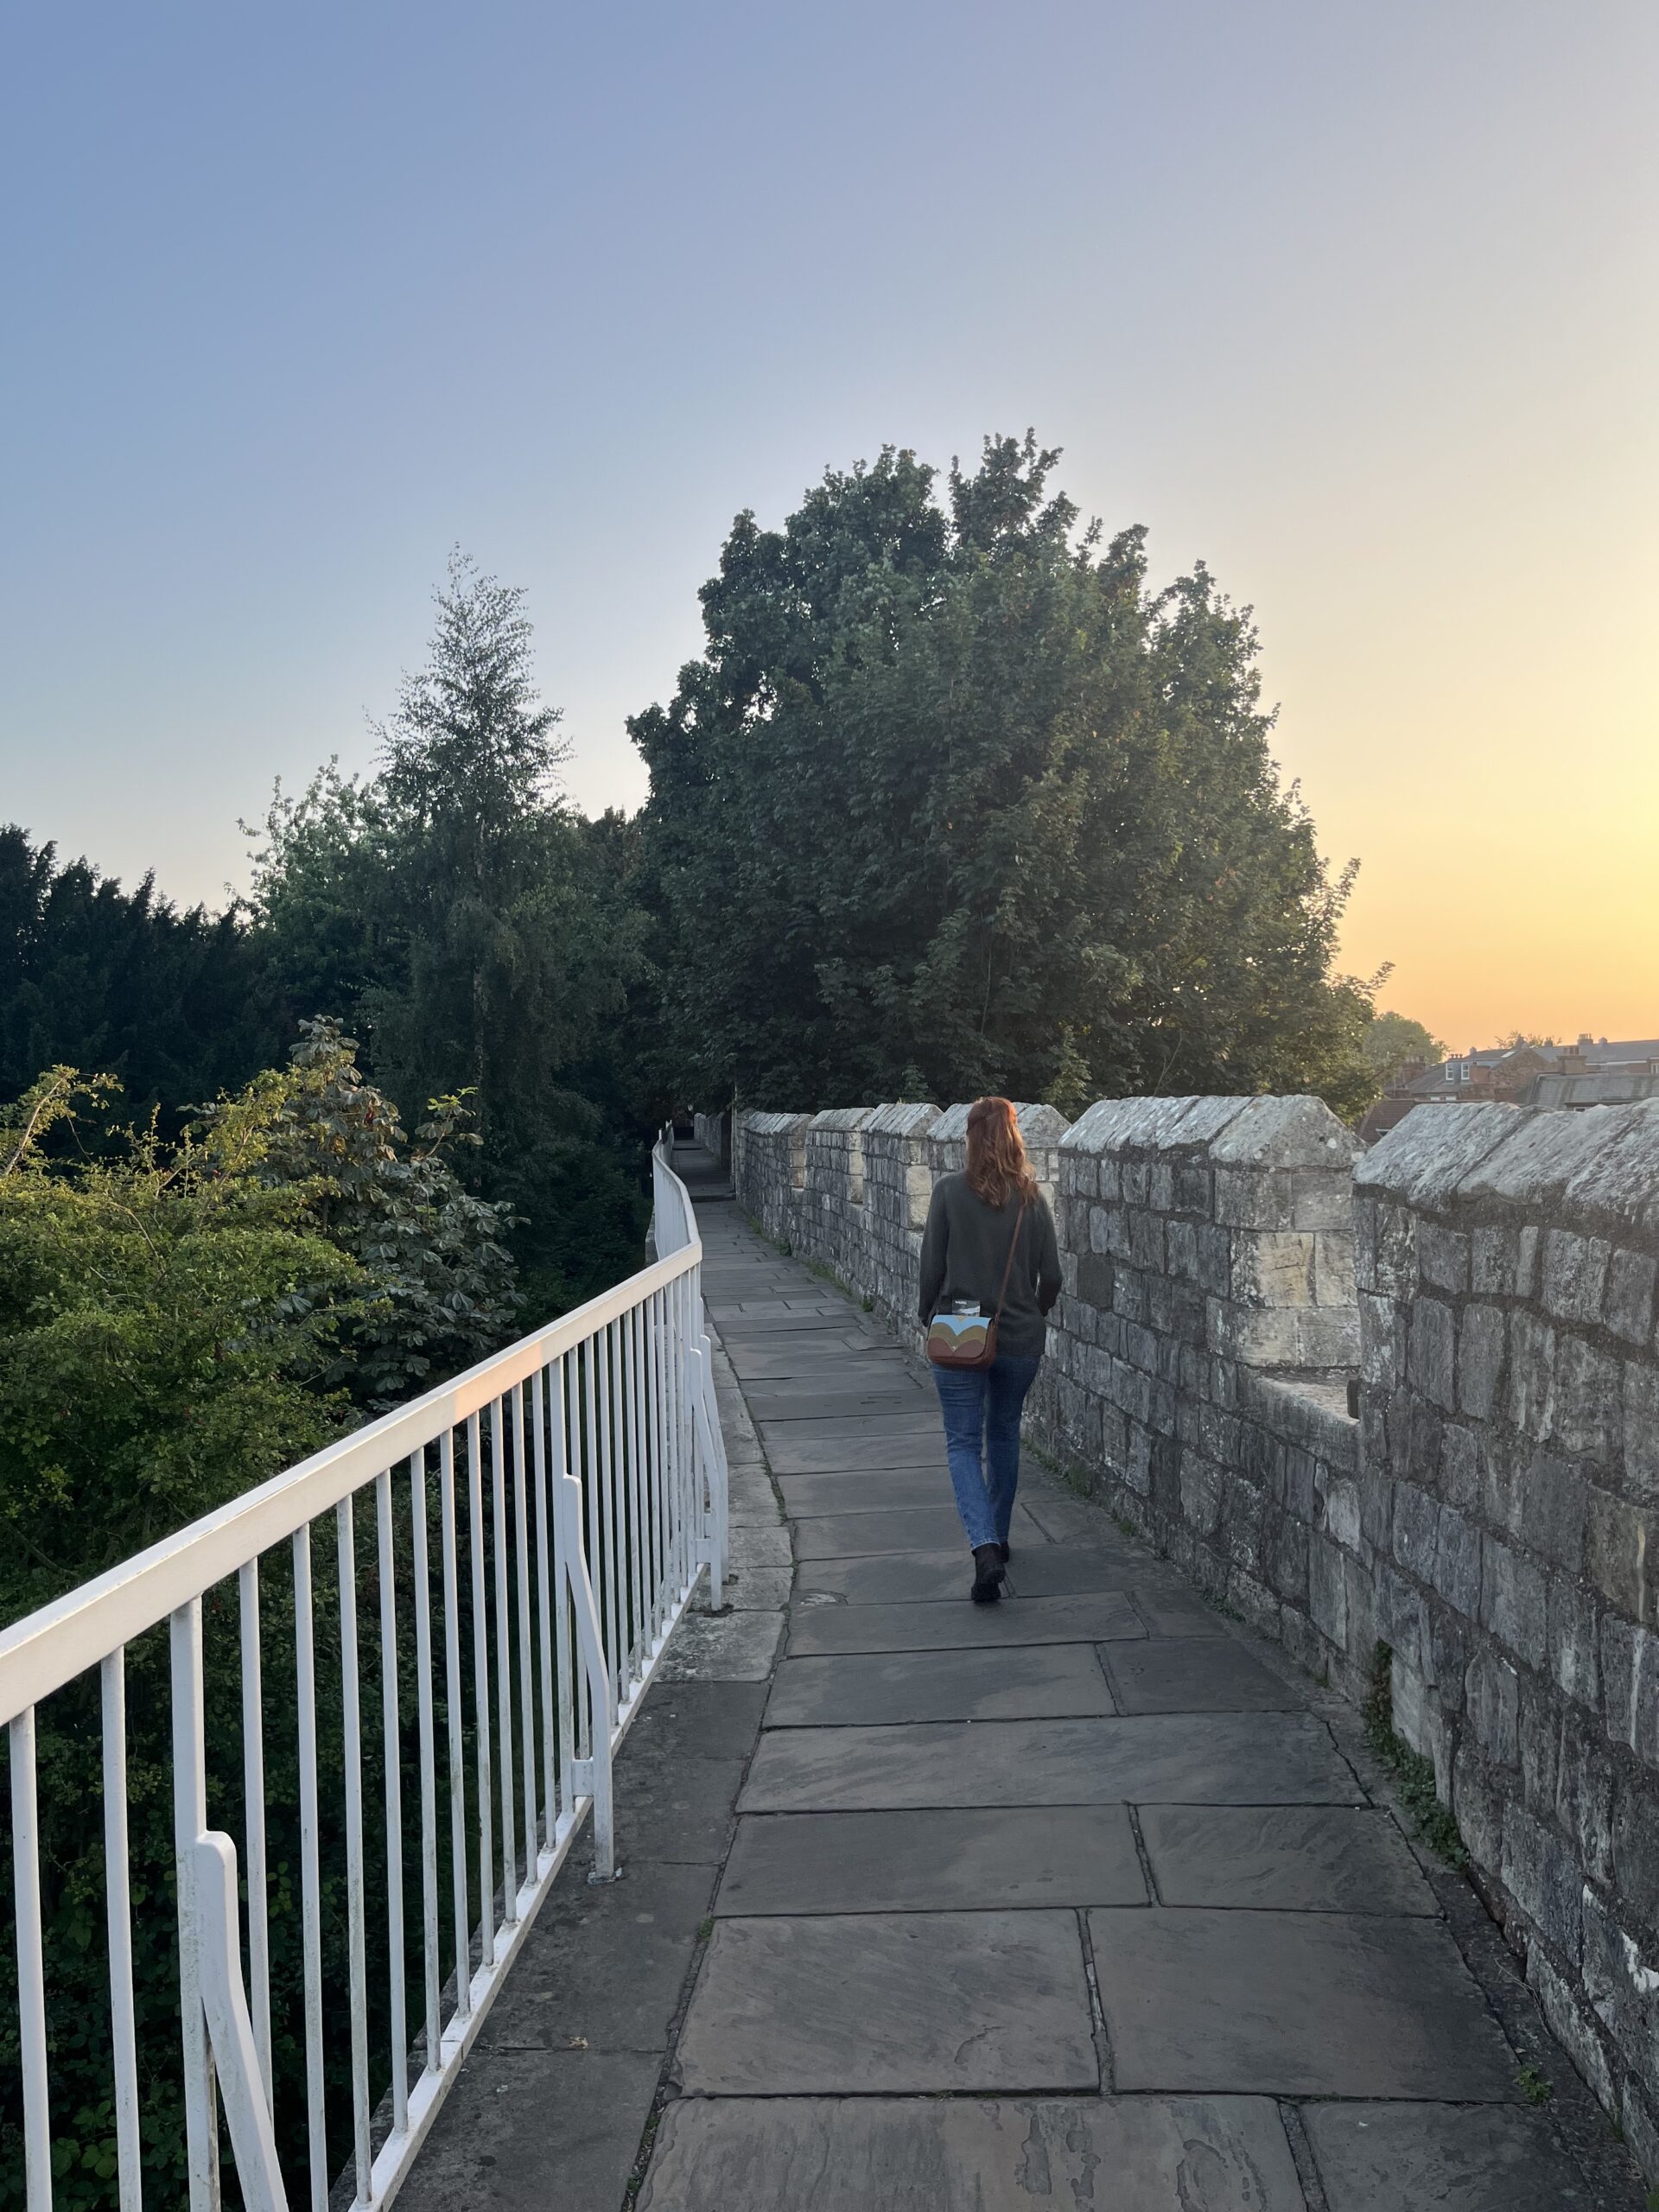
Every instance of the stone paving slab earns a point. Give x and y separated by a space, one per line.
524 2129
1207 1673
789 1453
915 1528
706 1720
608 1964
680 1811
816 1629
889 1489
1168 1608
757 1358
1437 2158
876 1688
853 1431
808 1399
1045 1570
875 2004
739 1326
1283 1858
1299 2005
960 2154
890 1578
1245 1758
932 1861
735 1647
760 1589
762 1547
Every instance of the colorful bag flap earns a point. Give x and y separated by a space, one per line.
958 1339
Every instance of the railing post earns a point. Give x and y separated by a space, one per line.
189 1820
594 1771
711 1469
225 2007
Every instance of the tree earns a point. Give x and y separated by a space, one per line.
176 1006
953 801
480 933
1393 1040
438 1278
177 1322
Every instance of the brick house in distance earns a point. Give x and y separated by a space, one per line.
1592 1073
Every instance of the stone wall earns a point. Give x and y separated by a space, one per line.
1486 1279
714 1132
1201 1347
1508 1548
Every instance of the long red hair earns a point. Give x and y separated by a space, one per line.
998 1168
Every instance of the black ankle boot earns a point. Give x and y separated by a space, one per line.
988 1574
1007 1551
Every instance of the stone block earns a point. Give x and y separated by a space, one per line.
1629 1678
1620 1984
1583 1795
1249 1198
1381 1340
1095 1276
1460 1461
1641 1430
1570 2023
1628 1300
1532 1375
1543 1877
1574 1275
1194 1190
1322 1201
1333 1269
1442 1256
1574 1656
1457 1567
1336 1508
1553 1507
1415 1518
1431 1355
1480 1359
1273 1268
1621 1548
1478 1805
1147 1241
1540 1749
1636 1852
1327 1590
1587 1412
1493 1255
1513 1604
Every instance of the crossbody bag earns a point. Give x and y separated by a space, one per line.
969 1339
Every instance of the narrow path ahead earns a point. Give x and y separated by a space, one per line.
1068 1901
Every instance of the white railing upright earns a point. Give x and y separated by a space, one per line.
674 1227
579 1493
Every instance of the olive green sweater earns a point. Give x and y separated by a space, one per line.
965 1248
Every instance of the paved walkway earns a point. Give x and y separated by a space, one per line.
1070 1901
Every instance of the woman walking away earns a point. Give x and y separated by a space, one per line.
990 1272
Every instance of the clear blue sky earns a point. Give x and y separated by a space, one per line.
1357 302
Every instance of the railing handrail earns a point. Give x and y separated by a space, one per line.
50 1647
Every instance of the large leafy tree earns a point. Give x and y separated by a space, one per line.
955 801
480 933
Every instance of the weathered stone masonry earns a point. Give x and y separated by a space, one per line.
1489 1273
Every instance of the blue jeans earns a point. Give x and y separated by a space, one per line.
982 1408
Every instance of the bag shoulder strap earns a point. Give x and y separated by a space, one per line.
1013 1246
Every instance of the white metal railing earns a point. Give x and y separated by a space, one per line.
581 1492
